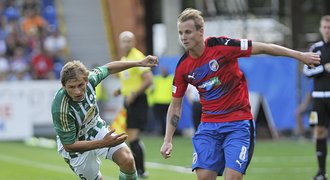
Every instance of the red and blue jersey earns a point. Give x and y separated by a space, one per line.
221 85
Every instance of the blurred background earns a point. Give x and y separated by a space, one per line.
37 37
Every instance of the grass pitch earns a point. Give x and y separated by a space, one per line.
273 160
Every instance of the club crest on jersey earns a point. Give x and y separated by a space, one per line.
213 64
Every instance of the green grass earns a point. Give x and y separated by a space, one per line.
273 160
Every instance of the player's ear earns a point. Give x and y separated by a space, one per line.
201 30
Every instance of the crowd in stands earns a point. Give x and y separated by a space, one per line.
31 45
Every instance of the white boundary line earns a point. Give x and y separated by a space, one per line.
45 166
173 168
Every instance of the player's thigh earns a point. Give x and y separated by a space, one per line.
208 153
89 166
108 153
137 114
239 145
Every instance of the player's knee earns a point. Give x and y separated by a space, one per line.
125 160
203 174
231 174
321 132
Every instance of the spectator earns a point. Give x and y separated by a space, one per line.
4 68
42 65
30 5
11 11
55 45
19 66
33 23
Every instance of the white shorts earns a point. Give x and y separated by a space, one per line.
87 164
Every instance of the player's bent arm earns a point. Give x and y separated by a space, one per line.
117 66
109 140
172 118
80 146
308 58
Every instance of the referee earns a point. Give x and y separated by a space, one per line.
320 115
134 83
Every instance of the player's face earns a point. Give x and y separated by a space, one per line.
189 36
76 88
325 30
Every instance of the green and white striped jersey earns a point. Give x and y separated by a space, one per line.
75 121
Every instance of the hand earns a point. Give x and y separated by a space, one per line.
116 92
149 61
111 139
166 150
310 59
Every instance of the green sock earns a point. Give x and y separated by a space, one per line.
126 176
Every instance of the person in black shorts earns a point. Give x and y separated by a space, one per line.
320 115
134 83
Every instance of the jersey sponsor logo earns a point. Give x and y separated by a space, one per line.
90 114
208 85
213 64
244 44
84 130
173 89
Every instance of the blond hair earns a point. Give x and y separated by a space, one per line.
192 14
73 70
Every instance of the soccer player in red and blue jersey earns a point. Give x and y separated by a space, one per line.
224 141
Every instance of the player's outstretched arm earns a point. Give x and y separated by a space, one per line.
308 58
117 66
172 121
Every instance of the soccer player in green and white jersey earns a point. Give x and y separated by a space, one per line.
82 136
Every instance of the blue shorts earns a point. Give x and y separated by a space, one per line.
224 145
